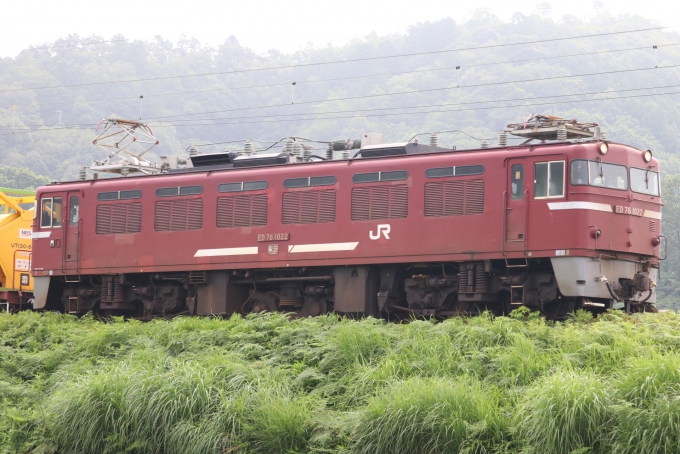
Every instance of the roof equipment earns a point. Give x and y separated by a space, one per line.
125 142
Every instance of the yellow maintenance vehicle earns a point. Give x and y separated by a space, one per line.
17 208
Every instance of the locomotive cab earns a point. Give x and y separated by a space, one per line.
615 192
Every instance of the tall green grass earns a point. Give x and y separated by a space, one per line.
565 412
430 416
268 384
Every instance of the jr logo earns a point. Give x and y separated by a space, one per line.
383 229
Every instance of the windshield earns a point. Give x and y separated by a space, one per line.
608 175
644 181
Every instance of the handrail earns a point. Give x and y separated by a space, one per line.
78 243
665 249
505 219
598 232
526 230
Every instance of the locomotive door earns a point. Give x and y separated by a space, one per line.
72 231
516 205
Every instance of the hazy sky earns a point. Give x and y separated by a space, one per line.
287 25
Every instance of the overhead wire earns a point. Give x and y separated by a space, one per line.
426 90
428 106
336 79
354 60
413 106
406 92
374 115
401 93
438 105
415 113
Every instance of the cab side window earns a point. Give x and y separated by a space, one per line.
579 172
548 179
517 182
73 216
50 212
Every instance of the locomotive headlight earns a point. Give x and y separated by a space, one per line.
604 148
647 156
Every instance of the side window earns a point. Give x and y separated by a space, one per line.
517 182
46 213
579 172
50 212
73 213
556 179
242 186
548 179
394 175
56 215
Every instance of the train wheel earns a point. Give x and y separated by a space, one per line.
648 307
505 305
559 309
312 308
642 308
264 305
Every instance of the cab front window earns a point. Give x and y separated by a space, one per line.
644 181
598 173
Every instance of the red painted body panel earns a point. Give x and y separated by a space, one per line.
415 238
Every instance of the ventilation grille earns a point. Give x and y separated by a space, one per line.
652 226
184 214
308 207
454 198
242 211
379 202
119 218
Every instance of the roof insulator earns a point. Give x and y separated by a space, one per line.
503 138
248 148
562 132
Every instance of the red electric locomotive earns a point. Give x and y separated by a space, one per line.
569 221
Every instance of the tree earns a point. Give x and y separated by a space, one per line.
668 292
20 178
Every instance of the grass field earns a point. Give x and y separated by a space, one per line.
265 384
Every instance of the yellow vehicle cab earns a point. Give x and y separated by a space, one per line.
17 208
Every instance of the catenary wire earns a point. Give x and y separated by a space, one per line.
438 105
336 79
422 112
592 93
375 115
427 90
490 46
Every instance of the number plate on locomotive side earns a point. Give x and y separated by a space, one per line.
273 237
628 210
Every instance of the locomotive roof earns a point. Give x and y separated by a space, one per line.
434 151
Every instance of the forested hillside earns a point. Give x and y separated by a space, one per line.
193 94
491 93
